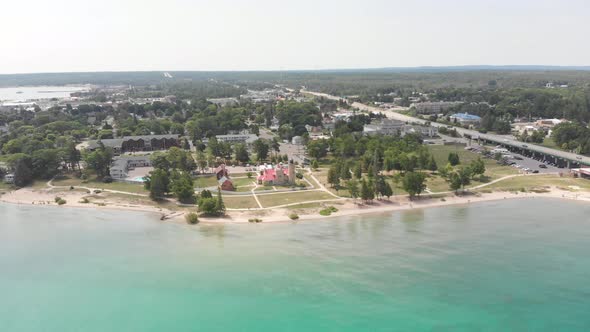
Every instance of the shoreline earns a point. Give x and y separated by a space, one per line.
346 208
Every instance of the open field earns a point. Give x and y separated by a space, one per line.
93 183
205 181
239 202
493 170
288 198
536 181
243 182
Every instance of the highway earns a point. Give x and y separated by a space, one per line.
497 139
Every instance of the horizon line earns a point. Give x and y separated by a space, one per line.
342 69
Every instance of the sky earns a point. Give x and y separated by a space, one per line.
146 35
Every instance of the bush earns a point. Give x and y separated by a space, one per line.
299 176
61 201
84 200
191 218
57 199
71 187
255 220
293 216
107 179
328 211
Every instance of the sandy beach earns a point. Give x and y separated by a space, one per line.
346 207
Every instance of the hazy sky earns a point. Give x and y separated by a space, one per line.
82 35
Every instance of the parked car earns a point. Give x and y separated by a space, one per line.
536 171
542 166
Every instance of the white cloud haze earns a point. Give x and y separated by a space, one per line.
70 35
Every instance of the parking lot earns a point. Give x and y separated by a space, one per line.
527 164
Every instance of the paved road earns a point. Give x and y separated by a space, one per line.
499 139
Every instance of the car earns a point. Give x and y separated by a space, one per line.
536 171
517 158
542 166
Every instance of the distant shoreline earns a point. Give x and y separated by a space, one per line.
346 208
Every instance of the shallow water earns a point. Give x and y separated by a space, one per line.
495 266
37 92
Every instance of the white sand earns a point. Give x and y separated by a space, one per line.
348 208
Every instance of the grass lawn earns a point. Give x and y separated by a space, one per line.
206 181
280 199
493 170
239 202
5 186
243 182
528 182
93 183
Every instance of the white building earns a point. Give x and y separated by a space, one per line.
123 164
9 178
297 140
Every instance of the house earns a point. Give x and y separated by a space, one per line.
466 119
9 178
226 184
277 176
221 172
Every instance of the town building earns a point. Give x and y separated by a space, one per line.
435 107
423 131
235 138
123 164
137 143
384 127
223 101
466 119
390 127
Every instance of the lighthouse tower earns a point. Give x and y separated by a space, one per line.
291 172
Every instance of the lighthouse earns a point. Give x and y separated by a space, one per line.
291 172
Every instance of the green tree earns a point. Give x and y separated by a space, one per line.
413 183
261 148
460 178
333 176
367 191
432 166
477 167
22 173
219 205
158 182
241 153
99 160
183 188
382 188
454 158
314 164
353 188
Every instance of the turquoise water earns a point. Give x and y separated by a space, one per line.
498 266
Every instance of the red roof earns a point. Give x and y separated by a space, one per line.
269 175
